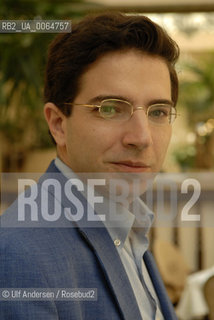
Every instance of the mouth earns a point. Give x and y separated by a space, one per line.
131 166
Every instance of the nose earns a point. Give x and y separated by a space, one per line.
137 131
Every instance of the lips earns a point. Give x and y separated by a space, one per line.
131 166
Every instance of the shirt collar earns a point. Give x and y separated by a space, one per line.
64 169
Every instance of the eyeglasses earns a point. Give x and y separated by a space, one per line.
121 110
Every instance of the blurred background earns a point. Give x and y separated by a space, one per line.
23 132
25 145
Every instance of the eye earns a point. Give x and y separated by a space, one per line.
111 109
159 111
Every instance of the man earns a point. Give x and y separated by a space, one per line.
110 96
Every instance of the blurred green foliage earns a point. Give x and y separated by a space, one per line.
22 64
197 89
197 98
185 156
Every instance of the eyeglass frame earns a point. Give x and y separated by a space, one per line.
133 109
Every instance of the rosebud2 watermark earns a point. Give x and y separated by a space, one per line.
93 197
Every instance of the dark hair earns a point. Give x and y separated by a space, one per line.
70 54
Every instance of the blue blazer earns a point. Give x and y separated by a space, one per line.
68 257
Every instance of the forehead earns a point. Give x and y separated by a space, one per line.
130 73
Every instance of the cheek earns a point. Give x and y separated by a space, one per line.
90 139
161 140
99 139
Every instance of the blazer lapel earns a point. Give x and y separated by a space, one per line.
165 303
113 268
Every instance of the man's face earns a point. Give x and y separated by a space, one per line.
93 144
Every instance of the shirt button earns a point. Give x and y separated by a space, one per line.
117 242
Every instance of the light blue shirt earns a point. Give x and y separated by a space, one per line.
129 235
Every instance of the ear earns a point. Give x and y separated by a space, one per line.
56 120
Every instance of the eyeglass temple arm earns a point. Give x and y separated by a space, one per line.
83 105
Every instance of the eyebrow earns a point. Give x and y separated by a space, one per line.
112 96
161 101
100 98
